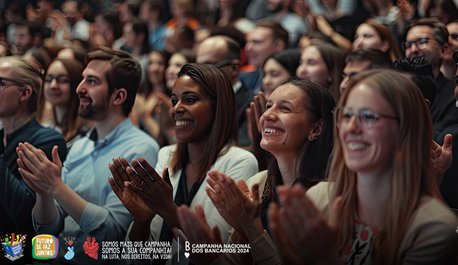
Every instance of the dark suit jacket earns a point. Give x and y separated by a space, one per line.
243 98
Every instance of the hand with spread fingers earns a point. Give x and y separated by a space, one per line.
302 233
235 202
156 191
41 174
441 156
197 231
129 198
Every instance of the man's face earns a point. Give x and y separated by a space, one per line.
214 50
9 91
93 91
260 44
350 70
22 39
421 42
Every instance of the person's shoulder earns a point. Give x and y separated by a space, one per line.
319 194
239 152
167 151
432 210
139 136
259 178
45 133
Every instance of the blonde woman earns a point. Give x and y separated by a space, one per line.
381 204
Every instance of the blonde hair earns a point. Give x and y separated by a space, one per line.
411 176
26 74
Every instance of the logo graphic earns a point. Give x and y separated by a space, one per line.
45 247
13 246
70 248
91 248
187 249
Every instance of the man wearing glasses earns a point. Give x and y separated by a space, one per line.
428 38
224 53
19 86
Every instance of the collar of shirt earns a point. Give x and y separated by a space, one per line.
120 129
237 86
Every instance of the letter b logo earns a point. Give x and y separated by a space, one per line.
187 246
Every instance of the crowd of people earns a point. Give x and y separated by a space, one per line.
316 132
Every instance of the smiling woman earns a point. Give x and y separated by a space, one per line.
60 100
381 204
297 130
204 117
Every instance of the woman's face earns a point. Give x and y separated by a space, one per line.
57 84
175 63
367 37
313 67
286 123
367 150
130 35
156 68
274 75
192 111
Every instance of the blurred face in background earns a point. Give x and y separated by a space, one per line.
367 37
156 67
175 63
313 67
57 84
274 76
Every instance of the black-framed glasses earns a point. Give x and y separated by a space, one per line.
366 117
61 79
420 42
6 82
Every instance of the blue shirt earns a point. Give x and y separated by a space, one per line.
86 172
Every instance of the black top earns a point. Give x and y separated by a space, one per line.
16 198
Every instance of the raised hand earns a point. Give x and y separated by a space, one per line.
42 175
129 198
156 191
236 203
298 225
441 156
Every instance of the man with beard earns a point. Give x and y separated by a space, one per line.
20 83
86 206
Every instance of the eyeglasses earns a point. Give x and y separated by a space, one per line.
61 79
366 117
420 42
4 83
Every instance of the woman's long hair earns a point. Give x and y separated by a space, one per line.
411 176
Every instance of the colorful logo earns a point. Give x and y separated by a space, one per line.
70 248
13 246
91 247
45 247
